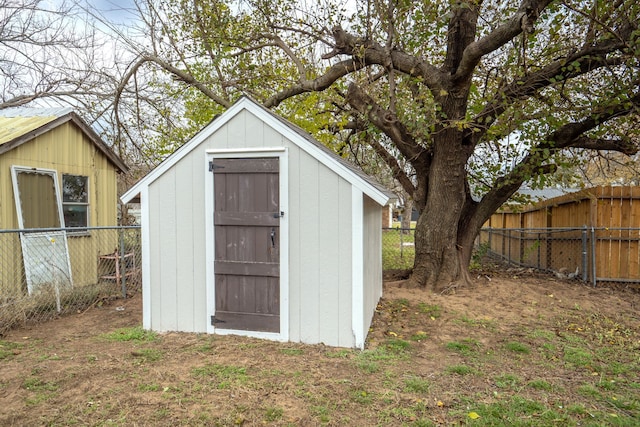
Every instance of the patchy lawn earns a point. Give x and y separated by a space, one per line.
512 350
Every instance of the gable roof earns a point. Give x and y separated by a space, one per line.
21 125
290 131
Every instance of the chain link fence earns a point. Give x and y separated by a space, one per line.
48 272
398 248
593 255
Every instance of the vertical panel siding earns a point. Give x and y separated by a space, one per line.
345 246
296 316
329 217
169 229
184 243
372 260
309 233
156 281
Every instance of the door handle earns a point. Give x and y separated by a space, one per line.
273 238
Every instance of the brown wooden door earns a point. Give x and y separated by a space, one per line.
247 267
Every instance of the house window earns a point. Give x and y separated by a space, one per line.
75 200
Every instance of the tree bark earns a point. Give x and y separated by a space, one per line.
405 224
438 262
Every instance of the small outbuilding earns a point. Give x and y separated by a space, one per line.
56 174
254 228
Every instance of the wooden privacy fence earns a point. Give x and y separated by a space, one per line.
593 235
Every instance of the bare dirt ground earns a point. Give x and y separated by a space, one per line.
68 372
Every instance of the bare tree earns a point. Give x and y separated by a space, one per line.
46 53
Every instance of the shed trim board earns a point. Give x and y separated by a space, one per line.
248 153
145 230
278 125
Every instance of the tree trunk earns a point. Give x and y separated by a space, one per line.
443 251
405 224
442 246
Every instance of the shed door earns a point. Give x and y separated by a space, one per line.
246 220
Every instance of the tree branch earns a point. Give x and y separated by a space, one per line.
582 62
387 123
396 171
372 53
321 83
621 145
522 20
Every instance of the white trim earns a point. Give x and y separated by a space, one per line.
267 117
146 258
16 192
357 267
209 243
283 159
249 151
253 334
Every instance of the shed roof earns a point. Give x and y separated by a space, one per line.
21 125
292 132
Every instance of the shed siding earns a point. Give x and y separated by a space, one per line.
345 246
177 248
319 229
308 250
68 151
372 260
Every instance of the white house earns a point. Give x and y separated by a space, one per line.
254 228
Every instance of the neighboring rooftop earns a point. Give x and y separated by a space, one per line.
15 122
21 124
546 193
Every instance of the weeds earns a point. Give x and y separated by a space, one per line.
459 370
466 347
517 347
136 334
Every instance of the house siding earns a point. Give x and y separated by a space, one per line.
67 150
319 245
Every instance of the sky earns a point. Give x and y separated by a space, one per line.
117 11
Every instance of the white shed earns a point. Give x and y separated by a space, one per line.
254 228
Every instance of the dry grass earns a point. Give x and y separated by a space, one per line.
510 351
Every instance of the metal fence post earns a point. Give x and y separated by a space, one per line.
584 253
509 246
123 264
401 243
539 248
593 256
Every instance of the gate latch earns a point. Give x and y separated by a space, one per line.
278 215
